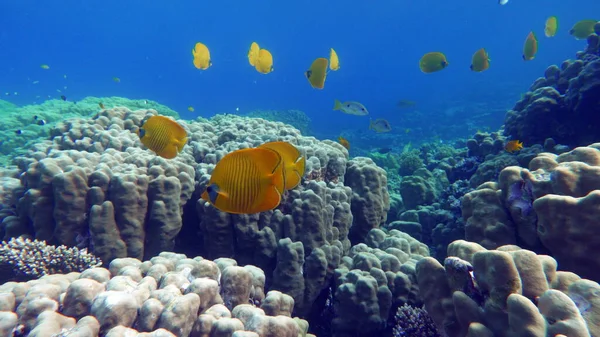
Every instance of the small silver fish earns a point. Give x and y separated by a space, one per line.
503 2
380 125
351 108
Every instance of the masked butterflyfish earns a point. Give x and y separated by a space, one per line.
246 181
551 26
201 56
582 29
530 47
334 61
253 53
163 135
317 73
264 62
432 62
480 61
293 162
350 108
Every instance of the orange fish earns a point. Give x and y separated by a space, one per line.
246 181
293 162
345 143
513 146
163 135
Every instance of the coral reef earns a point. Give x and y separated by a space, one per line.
23 259
36 120
483 144
375 278
423 187
549 207
414 322
409 161
295 118
505 292
92 185
168 295
353 248
563 105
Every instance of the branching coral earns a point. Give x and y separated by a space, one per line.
33 259
414 322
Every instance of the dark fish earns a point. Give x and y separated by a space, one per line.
384 150
404 104
35 118
63 97
380 125
41 122
18 132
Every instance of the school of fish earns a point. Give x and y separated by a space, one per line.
253 180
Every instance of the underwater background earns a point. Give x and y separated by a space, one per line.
147 45
150 189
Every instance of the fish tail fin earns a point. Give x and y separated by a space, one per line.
337 105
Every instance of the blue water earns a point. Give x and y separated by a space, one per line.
147 44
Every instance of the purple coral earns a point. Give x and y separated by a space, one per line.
465 168
520 196
414 322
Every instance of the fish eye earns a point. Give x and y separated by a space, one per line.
209 188
363 109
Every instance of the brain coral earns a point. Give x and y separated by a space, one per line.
92 184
